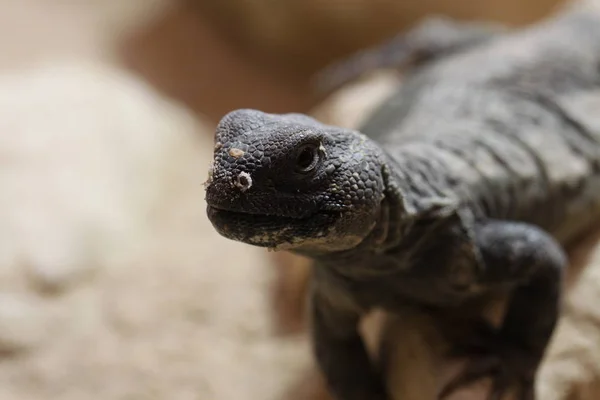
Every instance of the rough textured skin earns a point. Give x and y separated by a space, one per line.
469 180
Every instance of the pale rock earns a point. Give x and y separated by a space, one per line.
84 154
25 322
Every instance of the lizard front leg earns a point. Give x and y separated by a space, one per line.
430 39
341 353
528 260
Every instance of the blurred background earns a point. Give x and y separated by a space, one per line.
113 284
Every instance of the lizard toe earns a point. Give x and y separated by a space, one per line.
489 354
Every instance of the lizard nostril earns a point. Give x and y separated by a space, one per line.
243 181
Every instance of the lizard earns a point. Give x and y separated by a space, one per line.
467 182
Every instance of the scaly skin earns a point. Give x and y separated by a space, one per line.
464 184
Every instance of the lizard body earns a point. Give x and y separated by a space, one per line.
463 184
537 90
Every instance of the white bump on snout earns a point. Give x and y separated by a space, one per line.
243 181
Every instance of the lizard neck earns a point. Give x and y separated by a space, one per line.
418 187
391 223
395 214
414 187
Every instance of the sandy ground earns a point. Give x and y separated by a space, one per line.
153 304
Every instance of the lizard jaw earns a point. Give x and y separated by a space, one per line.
274 232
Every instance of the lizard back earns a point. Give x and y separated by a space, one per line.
511 128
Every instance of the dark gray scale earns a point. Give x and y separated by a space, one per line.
563 165
521 133
493 174
512 155
422 179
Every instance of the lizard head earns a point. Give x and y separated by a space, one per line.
290 182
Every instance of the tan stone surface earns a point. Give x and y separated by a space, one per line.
105 182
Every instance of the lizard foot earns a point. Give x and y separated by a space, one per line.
491 355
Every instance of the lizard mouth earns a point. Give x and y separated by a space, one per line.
256 218
251 214
267 230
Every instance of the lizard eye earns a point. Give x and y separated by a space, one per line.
307 159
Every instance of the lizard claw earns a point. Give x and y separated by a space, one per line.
510 367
